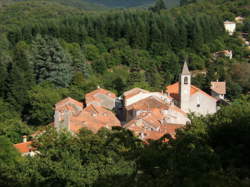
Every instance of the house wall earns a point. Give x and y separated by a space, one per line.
207 104
62 120
216 95
230 27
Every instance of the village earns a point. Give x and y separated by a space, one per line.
149 115
123 93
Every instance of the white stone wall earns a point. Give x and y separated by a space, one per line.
202 104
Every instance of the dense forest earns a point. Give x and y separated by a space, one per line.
50 50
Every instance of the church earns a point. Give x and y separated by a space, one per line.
190 98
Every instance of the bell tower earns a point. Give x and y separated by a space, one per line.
184 88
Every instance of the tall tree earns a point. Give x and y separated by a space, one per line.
52 62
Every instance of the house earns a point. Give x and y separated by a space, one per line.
25 148
230 27
137 94
138 99
70 115
151 125
172 113
218 89
190 98
101 97
239 19
224 53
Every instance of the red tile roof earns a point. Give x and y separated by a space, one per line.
218 87
68 104
147 104
173 90
93 118
153 119
24 147
91 96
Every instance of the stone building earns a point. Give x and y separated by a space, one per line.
70 115
190 98
218 89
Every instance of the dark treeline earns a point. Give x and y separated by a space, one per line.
141 29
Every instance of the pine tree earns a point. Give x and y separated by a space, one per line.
20 77
52 63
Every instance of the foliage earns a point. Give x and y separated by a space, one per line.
42 98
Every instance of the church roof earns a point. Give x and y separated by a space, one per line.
185 70
173 90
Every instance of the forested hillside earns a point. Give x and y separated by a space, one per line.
50 50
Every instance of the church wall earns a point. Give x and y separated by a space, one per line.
202 104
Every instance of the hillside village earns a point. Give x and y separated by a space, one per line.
149 115
95 93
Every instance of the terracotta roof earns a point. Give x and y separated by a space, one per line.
177 109
218 87
93 118
170 128
155 135
147 104
92 95
173 90
68 100
130 93
101 97
24 147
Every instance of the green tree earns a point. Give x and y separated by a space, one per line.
42 98
52 63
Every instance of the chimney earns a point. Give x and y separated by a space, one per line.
24 138
98 86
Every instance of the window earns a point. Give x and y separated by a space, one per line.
198 101
185 80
